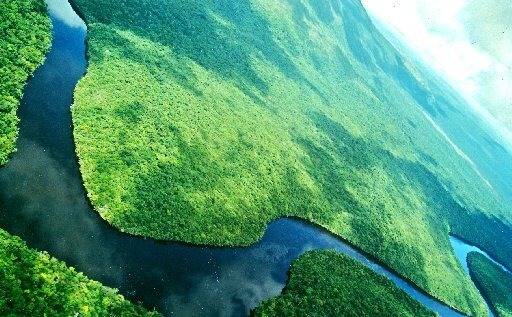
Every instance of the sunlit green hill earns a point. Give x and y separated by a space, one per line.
202 121
34 284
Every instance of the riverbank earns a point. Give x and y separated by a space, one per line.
33 283
25 41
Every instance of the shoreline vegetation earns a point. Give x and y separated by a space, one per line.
326 283
26 38
494 283
33 283
232 118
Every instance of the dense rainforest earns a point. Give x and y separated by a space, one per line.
24 41
32 283
326 283
202 121
494 283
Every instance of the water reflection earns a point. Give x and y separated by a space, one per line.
61 10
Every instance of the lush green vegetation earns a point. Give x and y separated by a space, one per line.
34 284
326 283
494 283
24 41
202 121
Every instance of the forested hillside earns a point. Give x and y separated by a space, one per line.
202 121
24 41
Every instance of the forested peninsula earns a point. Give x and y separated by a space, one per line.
33 283
24 41
203 121
494 283
326 283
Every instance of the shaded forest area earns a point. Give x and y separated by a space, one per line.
494 283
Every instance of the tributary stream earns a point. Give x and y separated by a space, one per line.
43 201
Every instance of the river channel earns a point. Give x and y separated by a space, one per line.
43 201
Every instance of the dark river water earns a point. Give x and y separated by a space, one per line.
43 201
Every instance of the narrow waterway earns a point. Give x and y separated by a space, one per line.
43 201
462 249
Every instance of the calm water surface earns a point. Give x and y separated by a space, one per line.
43 201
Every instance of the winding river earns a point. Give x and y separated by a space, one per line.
43 201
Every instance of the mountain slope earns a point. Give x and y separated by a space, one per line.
202 121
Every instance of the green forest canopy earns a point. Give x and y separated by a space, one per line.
34 284
326 283
202 121
24 41
494 283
